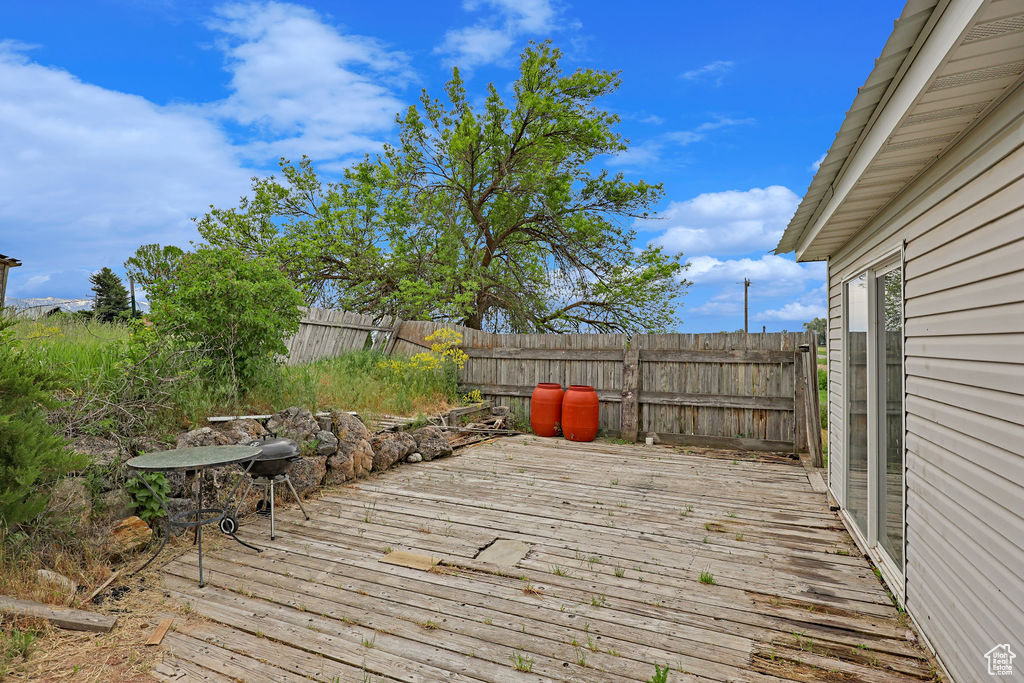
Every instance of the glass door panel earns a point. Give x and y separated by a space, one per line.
856 381
889 339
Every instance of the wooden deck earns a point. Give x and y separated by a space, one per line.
610 586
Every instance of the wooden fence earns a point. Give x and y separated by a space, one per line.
733 390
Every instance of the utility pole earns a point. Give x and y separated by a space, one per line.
746 309
131 284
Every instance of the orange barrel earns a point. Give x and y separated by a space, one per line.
580 413
546 409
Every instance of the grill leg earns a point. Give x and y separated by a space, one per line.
199 529
288 481
271 509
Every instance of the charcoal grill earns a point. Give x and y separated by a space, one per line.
269 469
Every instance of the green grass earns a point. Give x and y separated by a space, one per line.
92 354
707 577
77 348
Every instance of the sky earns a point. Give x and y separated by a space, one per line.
120 120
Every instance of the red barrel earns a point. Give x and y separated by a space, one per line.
546 409
580 413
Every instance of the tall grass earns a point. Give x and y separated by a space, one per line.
92 354
363 381
77 348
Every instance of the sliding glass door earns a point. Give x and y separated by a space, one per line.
888 325
873 303
857 401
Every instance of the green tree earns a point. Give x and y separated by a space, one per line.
493 217
235 308
31 453
818 327
110 298
152 262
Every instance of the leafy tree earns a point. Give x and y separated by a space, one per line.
152 262
491 216
31 453
818 326
110 298
237 309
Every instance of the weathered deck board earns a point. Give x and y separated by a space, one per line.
617 536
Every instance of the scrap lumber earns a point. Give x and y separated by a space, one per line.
404 558
157 636
99 588
63 617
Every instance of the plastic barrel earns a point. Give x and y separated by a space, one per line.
546 409
580 412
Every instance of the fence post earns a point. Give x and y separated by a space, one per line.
630 407
394 337
813 405
799 401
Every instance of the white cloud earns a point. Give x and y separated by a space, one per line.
90 173
731 222
713 70
302 86
475 45
490 39
793 311
770 274
817 164
650 151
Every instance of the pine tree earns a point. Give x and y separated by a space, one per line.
31 454
111 297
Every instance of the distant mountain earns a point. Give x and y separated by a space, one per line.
35 307
43 304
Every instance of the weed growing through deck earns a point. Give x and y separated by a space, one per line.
530 589
522 662
592 560
660 675
370 642
559 571
597 601
581 654
707 577
739 537
488 621
620 572
430 624
615 482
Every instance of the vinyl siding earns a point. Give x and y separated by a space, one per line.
961 225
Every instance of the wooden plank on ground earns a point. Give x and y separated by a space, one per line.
404 558
727 442
157 636
64 617
504 552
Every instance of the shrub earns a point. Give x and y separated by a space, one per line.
32 455
236 309
146 505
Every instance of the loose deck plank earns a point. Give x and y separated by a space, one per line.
610 542
64 617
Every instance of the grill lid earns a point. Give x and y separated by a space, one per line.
276 448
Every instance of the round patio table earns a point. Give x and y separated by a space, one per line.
196 460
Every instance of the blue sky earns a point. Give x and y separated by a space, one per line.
120 120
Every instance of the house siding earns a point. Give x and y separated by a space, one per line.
961 227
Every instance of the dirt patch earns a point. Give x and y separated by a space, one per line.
139 602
